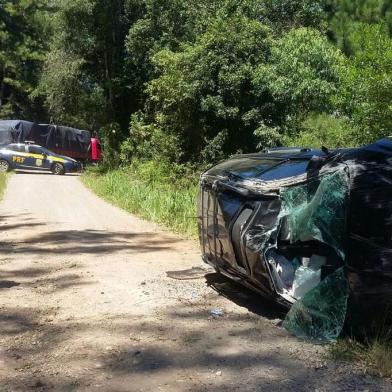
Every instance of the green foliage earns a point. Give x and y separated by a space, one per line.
301 76
67 101
214 150
3 183
22 50
267 136
346 15
366 93
204 89
152 190
162 24
324 130
111 145
83 81
288 14
148 141
236 87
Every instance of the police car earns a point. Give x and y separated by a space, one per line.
32 156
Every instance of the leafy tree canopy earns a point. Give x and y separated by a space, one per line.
22 52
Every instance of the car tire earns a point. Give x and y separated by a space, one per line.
4 166
58 169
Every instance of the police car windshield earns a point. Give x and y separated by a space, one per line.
45 151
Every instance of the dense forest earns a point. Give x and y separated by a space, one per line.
181 81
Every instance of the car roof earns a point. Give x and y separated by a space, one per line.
22 144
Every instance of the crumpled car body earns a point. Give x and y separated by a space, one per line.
310 229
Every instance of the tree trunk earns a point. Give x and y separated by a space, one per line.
108 82
2 86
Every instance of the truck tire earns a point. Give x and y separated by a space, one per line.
58 169
4 166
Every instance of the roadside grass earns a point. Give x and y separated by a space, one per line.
3 183
152 191
373 354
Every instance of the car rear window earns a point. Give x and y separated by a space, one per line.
243 167
263 169
285 170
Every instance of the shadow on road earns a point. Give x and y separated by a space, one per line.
152 351
244 297
7 284
42 172
89 242
44 281
178 351
19 226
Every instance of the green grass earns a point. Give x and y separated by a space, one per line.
375 355
3 183
150 191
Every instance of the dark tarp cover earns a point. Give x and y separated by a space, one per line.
65 138
62 140
12 131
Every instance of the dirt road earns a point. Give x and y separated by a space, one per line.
85 304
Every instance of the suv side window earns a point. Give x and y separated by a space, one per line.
35 150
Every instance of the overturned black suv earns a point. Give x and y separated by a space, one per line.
310 228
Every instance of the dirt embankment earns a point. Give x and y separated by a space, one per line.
86 304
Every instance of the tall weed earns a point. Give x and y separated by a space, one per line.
151 191
372 350
3 183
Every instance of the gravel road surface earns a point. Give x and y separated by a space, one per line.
86 304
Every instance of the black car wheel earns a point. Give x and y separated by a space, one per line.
4 166
58 169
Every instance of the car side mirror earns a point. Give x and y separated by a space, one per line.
44 156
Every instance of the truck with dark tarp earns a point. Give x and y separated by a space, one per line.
71 142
